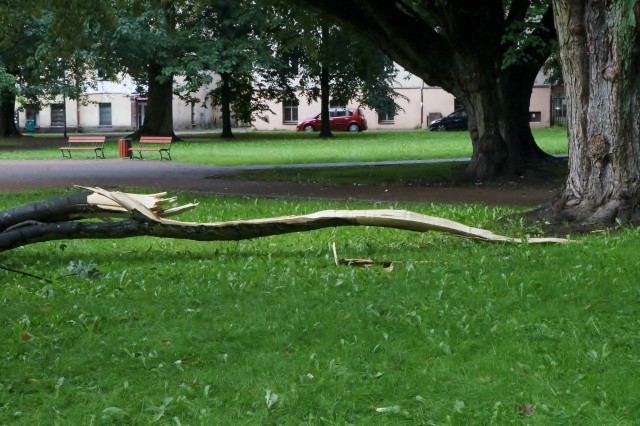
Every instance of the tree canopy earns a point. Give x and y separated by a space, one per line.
487 54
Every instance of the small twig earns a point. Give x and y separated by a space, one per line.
26 274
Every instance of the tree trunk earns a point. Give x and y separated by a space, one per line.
325 129
225 104
325 84
514 88
158 119
599 45
8 126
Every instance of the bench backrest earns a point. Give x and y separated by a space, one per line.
87 139
156 139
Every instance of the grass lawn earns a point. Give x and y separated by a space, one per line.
271 331
250 148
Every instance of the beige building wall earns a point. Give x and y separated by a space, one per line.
420 106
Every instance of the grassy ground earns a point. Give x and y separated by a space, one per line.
292 148
270 331
402 174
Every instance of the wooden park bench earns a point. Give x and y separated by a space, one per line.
159 144
84 143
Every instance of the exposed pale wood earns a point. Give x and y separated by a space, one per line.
398 219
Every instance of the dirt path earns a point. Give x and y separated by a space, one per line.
18 175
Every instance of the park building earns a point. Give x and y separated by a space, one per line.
115 106
420 104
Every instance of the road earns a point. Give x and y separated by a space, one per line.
16 175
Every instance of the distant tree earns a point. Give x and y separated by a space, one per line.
236 41
486 53
16 41
46 51
148 43
338 66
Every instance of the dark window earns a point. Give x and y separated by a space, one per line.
558 109
290 111
105 114
385 117
57 115
535 116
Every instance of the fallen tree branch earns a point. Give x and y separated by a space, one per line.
144 216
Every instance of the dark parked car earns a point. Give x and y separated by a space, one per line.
349 119
457 120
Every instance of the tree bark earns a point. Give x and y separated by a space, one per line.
225 104
325 129
325 84
8 126
158 119
600 57
515 88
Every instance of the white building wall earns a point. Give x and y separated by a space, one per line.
122 97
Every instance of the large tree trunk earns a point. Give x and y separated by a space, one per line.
158 119
325 129
599 45
478 92
225 104
8 126
514 88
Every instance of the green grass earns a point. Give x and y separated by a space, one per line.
402 174
250 148
460 332
410 174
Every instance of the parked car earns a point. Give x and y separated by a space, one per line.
457 120
349 119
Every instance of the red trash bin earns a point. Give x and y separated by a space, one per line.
123 148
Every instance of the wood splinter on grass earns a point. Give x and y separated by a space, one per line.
363 263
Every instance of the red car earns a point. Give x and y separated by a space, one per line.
349 119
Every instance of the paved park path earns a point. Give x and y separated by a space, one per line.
16 175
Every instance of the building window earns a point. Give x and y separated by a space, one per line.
558 109
105 114
535 116
385 117
57 115
290 111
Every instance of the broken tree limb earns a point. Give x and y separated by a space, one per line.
143 215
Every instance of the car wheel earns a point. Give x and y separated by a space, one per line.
441 128
308 128
353 127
